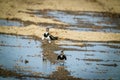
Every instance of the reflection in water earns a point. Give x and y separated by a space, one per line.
48 51
23 55
49 54
27 56
93 61
45 68
99 61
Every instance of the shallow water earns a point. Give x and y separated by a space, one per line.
87 21
96 60
3 78
4 22
23 55
82 21
93 62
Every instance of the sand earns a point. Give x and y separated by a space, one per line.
12 8
38 31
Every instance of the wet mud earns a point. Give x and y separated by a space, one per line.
28 57
5 22
80 21
15 22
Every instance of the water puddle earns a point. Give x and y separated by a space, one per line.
1 78
23 55
4 22
88 60
89 21
96 60
79 21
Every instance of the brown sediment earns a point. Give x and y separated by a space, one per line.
113 46
62 74
8 73
43 12
48 51
73 43
114 65
97 60
28 22
89 54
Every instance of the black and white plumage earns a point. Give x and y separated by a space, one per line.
48 36
62 56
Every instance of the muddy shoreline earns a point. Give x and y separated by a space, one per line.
39 11
88 32
82 36
8 73
49 54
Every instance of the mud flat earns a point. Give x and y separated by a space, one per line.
33 30
88 31
88 60
27 52
20 10
12 9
